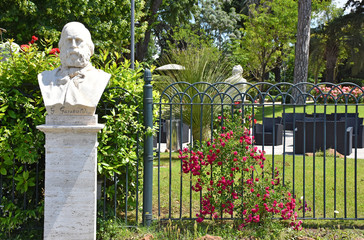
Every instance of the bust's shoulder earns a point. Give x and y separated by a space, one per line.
97 75
100 73
47 76
49 72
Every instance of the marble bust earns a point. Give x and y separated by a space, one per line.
75 87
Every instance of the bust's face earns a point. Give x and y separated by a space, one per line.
74 51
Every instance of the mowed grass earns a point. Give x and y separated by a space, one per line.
314 180
278 109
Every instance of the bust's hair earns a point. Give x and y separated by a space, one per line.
85 33
238 69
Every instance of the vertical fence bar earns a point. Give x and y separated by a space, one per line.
148 149
284 139
314 164
181 148
115 193
13 183
36 184
104 210
170 161
335 161
126 192
294 149
192 145
137 173
356 160
159 156
345 161
304 164
1 194
324 158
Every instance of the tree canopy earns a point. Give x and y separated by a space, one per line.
267 37
108 21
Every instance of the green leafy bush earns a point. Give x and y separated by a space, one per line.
22 145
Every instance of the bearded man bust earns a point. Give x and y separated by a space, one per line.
75 87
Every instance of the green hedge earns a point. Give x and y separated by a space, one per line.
22 145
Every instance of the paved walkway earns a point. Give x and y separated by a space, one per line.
286 147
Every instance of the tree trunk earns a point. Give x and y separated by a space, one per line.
331 56
302 49
142 46
277 74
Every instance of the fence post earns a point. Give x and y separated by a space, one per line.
148 149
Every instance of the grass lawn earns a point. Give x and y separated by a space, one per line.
268 110
324 191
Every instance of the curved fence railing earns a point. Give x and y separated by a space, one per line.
314 137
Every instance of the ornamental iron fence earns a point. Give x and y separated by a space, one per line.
315 139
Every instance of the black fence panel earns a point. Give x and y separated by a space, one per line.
315 140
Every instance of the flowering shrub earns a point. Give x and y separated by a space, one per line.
339 94
233 179
54 51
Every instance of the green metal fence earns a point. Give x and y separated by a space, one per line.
318 145
315 139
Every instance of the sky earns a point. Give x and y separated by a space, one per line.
340 3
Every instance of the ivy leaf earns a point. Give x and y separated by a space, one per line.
12 114
3 171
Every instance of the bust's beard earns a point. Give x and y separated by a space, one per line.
75 59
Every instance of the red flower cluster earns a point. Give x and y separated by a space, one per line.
34 38
224 167
26 47
54 51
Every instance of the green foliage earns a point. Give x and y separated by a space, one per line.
337 45
205 64
217 21
22 145
268 36
120 147
22 68
13 217
188 37
108 21
187 230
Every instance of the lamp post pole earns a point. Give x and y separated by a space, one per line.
132 34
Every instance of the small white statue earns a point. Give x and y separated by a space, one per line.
75 87
237 69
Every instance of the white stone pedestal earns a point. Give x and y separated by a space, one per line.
70 177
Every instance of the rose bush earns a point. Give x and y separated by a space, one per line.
339 94
231 174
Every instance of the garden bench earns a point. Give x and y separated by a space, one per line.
310 136
271 130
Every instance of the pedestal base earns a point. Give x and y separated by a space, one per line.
70 177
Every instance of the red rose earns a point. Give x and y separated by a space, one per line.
54 51
24 47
